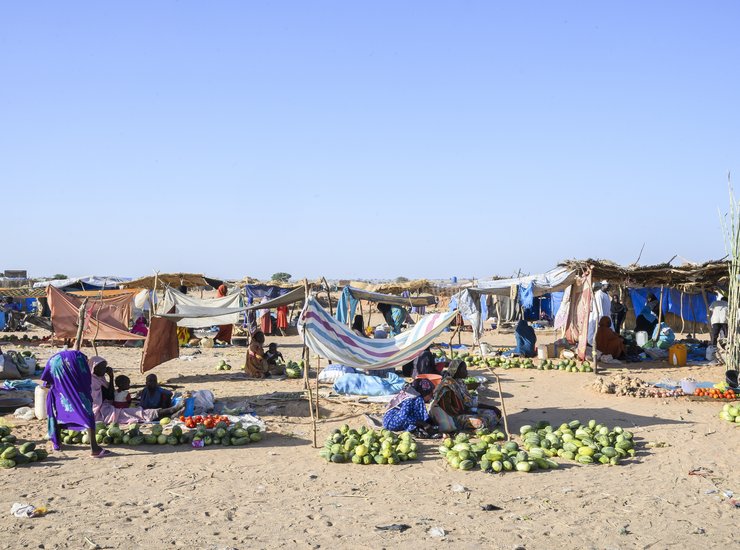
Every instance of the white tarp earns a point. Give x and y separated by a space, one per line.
554 280
92 280
195 312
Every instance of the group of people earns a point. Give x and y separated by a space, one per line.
260 363
83 392
428 409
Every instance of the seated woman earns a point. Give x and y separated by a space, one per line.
105 411
608 341
256 365
358 326
424 364
452 406
407 411
647 320
525 340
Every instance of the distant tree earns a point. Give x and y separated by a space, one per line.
60 276
402 280
281 277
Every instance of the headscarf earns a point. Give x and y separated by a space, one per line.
95 361
608 341
454 366
222 291
423 386
418 388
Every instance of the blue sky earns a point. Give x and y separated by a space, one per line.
376 139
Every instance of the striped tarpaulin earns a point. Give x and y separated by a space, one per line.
333 340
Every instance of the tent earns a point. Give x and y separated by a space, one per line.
471 301
189 311
105 318
91 282
351 296
333 340
189 280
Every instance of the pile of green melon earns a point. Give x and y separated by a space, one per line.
589 443
293 369
490 454
366 446
135 434
14 452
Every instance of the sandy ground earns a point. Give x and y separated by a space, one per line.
279 492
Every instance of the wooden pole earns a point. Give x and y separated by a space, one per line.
660 310
328 296
683 323
503 407
318 370
306 368
706 306
80 324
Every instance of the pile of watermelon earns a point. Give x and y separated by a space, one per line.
293 369
14 452
135 434
366 446
462 453
589 443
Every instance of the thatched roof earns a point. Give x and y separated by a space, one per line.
709 274
190 280
419 285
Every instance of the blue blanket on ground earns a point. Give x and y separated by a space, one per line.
362 384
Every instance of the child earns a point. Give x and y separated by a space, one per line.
273 354
153 396
122 397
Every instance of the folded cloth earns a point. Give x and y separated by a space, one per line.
361 384
24 385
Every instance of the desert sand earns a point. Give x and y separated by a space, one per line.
280 492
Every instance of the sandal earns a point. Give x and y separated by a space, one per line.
101 454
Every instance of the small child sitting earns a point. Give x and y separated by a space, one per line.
272 355
122 397
154 396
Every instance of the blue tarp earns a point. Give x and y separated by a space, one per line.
693 304
362 384
260 291
346 300
526 295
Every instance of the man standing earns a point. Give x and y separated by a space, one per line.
601 306
619 312
718 309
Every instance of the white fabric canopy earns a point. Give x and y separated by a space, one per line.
195 312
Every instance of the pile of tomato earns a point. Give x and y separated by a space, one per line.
715 393
209 421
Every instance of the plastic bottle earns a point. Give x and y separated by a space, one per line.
39 401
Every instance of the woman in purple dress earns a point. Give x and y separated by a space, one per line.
69 403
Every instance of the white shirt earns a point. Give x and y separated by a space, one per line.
719 312
601 306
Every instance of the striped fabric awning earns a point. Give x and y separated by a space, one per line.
332 340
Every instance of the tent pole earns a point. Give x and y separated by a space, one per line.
503 406
706 306
328 296
80 324
660 310
683 324
306 368
318 414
